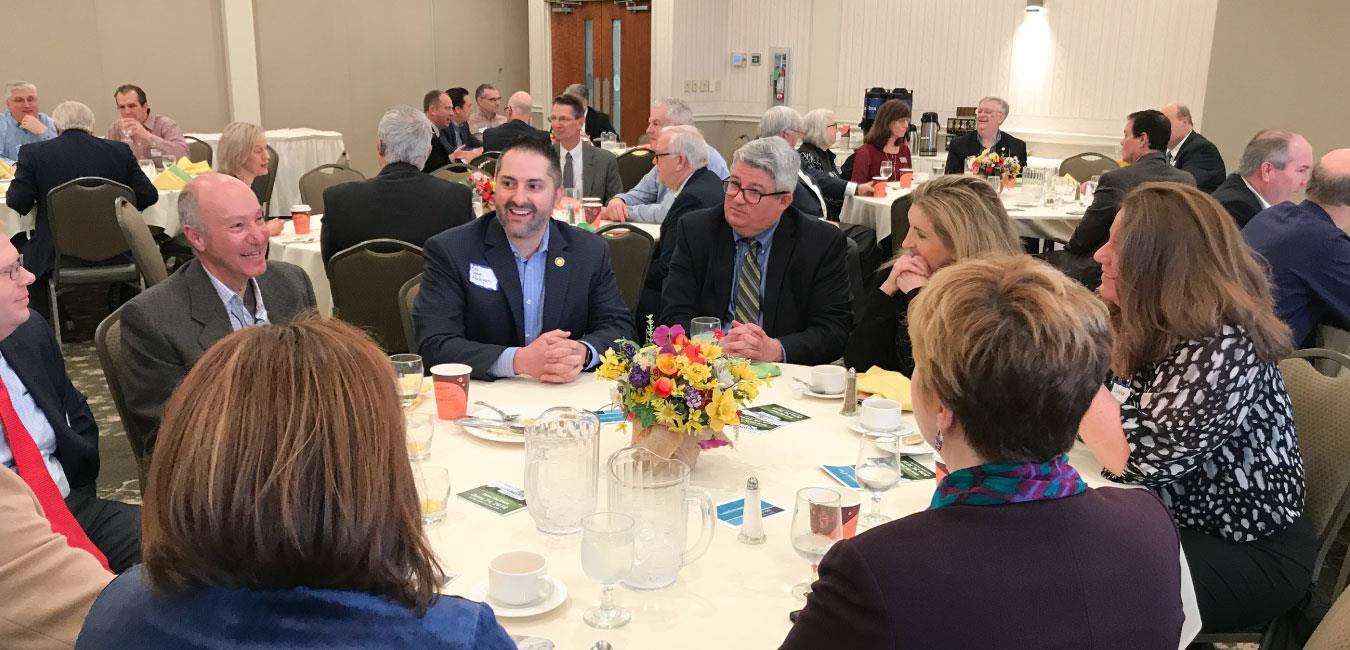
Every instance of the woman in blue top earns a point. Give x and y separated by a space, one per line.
280 510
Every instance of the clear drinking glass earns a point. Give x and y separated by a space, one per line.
887 169
408 377
169 161
421 428
607 558
156 156
817 524
433 491
702 328
877 470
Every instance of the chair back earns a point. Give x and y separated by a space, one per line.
83 217
633 165
630 253
262 185
1082 167
108 344
316 180
407 295
199 150
366 279
144 250
900 221
486 162
454 172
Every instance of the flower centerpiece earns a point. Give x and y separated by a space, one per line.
991 164
679 395
484 188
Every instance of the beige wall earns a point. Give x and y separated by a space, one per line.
83 49
1278 64
355 59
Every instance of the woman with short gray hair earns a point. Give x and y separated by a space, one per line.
819 132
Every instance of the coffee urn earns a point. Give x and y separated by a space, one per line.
928 134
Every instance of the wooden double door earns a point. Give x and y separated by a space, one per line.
607 47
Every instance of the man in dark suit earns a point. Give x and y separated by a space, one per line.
517 125
76 152
228 286
401 202
49 435
682 167
776 277
590 168
989 116
1274 167
1145 137
597 123
1188 150
515 292
449 113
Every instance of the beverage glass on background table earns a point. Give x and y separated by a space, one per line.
169 162
879 186
592 206
433 491
421 430
450 382
817 523
702 328
906 178
607 558
877 470
407 377
1089 189
300 218
156 156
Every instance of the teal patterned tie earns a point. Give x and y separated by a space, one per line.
747 285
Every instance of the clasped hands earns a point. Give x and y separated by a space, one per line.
552 357
908 273
752 342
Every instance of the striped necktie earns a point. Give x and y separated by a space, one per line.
747 284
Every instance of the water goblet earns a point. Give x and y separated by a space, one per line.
408 374
887 169
607 558
817 523
702 328
877 470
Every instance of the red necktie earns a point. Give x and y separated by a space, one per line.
28 461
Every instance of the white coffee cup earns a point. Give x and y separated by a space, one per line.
880 414
828 380
518 578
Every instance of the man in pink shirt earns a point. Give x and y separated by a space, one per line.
141 129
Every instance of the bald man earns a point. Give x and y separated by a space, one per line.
1308 250
1188 150
517 125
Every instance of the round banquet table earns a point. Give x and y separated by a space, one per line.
734 596
298 150
164 214
1031 218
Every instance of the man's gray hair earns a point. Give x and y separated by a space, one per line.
579 91
778 119
18 84
686 141
1326 188
405 134
1002 103
677 111
814 126
1268 145
774 156
73 115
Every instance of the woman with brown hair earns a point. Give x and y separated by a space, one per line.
1195 407
952 218
884 141
280 510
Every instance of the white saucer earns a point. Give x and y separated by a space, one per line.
491 435
811 393
556 598
906 428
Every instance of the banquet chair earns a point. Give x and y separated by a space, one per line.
263 185
144 251
633 165
316 180
83 217
1333 633
899 222
630 254
108 344
366 279
454 172
407 295
1082 167
486 162
198 150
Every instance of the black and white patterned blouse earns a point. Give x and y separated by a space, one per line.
1211 431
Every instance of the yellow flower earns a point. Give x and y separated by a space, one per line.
723 407
612 366
744 371
666 363
710 351
697 374
642 396
666 414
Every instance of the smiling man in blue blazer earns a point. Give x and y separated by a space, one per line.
515 292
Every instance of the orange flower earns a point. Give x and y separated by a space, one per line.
665 362
663 387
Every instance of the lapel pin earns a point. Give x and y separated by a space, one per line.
559 262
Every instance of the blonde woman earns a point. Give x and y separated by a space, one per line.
952 218
242 153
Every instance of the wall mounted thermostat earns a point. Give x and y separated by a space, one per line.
754 58
738 59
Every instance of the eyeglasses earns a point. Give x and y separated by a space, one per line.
753 197
15 270
657 154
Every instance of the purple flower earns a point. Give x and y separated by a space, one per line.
627 349
665 336
693 397
639 377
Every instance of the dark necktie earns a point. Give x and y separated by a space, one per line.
568 183
747 284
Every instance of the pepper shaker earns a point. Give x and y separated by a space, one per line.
752 521
850 394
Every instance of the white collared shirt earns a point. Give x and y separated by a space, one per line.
1172 153
576 161
235 307
1264 203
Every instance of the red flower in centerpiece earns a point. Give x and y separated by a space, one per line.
663 387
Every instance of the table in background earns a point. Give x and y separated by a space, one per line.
164 214
299 150
735 596
1031 218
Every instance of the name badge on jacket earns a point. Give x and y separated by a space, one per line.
483 276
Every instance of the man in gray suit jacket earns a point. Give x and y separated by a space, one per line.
597 171
230 285
1145 139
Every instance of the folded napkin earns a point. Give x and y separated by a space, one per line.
171 179
192 168
5 170
765 369
886 383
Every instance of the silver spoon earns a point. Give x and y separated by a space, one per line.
503 414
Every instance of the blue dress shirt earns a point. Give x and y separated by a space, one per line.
38 427
1309 259
240 317
13 136
649 200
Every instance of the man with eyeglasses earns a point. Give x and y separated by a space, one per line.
487 100
774 276
989 117
585 167
649 200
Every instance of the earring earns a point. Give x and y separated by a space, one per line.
937 442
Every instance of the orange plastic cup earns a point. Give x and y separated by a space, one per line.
906 180
879 186
850 504
450 382
300 219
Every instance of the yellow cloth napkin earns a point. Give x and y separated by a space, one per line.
192 168
171 180
5 170
886 383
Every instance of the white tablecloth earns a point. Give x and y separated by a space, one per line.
1031 218
164 213
299 150
735 596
